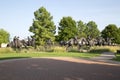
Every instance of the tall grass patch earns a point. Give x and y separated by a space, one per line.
59 49
100 49
6 50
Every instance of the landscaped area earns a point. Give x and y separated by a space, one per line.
59 40
9 53
46 54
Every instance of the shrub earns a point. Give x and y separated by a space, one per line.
59 49
100 49
6 50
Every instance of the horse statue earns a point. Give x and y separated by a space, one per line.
63 43
81 42
17 43
75 41
31 42
100 41
109 41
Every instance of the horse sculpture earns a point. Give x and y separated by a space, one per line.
75 41
63 43
88 42
18 44
31 42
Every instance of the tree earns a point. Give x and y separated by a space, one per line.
92 29
81 27
43 27
4 36
67 28
111 31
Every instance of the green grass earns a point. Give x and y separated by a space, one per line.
9 53
47 54
117 57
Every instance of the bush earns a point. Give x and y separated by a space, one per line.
100 49
40 48
59 49
6 50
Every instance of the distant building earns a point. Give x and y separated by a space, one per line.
3 45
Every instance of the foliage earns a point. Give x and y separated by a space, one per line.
101 49
4 36
111 31
81 27
43 27
6 50
67 29
59 49
92 29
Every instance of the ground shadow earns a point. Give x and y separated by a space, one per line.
99 50
7 58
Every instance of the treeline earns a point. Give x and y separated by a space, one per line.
69 28
44 28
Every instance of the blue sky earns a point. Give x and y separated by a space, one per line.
16 15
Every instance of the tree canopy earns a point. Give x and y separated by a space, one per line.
43 27
81 28
67 28
111 31
4 36
92 29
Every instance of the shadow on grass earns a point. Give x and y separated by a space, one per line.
99 50
73 51
7 58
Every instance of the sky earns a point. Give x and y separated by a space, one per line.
16 16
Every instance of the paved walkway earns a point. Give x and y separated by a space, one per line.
56 69
106 57
61 68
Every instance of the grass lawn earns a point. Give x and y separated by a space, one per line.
46 54
117 57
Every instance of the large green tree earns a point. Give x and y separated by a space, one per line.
67 28
92 29
43 27
4 36
111 31
81 27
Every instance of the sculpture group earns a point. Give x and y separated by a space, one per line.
88 42
16 43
